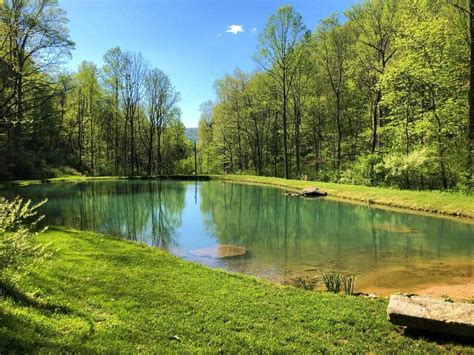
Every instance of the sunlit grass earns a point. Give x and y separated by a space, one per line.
448 203
100 294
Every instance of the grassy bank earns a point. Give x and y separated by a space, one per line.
102 294
446 203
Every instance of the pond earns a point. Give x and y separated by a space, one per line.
286 236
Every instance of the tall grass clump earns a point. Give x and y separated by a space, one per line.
332 281
349 284
19 226
335 281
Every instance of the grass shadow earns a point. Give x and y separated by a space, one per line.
438 338
9 290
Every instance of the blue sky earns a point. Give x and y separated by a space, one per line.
187 39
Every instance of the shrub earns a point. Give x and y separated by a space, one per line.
19 226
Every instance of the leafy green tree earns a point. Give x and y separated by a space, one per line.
277 54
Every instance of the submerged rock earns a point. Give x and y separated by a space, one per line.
220 251
395 228
431 314
312 192
307 192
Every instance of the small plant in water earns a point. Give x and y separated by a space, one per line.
333 281
305 282
349 283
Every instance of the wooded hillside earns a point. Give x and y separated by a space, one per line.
378 96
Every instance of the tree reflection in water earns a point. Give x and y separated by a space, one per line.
144 211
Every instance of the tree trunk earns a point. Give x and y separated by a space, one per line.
158 151
375 121
150 150
339 132
132 145
275 144
285 133
117 155
470 137
297 138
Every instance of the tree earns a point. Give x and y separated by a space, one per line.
277 54
333 44
162 100
34 38
135 70
113 80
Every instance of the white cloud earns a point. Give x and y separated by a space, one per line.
253 30
235 29
218 35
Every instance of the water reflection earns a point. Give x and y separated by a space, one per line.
145 211
286 236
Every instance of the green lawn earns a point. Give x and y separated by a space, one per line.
102 294
447 203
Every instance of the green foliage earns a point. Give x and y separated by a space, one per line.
349 284
380 99
333 281
19 227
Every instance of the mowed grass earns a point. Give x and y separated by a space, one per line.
447 203
100 294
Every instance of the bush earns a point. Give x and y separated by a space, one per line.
19 226
363 171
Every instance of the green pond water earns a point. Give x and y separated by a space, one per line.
285 236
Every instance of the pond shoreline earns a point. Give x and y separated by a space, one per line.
434 203
127 297
373 196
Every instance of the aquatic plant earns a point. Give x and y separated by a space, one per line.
349 283
333 281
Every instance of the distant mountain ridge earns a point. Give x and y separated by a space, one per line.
191 134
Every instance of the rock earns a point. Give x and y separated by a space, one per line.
395 228
312 192
431 314
220 251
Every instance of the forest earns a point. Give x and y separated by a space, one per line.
375 96
119 119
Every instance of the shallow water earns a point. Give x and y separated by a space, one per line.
286 236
